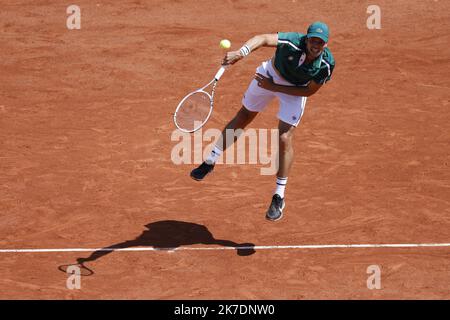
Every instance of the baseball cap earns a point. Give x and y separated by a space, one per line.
318 29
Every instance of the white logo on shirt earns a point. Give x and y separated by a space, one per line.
302 59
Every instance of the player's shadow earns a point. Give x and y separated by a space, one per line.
169 235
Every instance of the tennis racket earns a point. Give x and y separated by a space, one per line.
194 110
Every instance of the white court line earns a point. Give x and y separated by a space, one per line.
324 246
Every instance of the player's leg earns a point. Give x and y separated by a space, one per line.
286 150
291 111
254 101
240 121
285 159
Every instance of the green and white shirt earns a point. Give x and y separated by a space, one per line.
290 60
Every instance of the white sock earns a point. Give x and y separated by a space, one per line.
281 185
214 156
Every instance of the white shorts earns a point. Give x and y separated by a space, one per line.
256 98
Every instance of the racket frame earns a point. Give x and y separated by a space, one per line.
211 101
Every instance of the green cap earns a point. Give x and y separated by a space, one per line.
318 29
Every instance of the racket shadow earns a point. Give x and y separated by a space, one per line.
170 235
76 268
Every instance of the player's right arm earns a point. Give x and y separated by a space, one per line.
262 40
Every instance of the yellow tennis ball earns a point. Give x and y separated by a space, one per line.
225 44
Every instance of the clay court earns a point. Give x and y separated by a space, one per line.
85 154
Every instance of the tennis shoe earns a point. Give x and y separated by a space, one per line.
275 211
202 171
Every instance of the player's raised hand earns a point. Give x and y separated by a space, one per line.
232 57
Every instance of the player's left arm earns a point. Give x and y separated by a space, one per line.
307 91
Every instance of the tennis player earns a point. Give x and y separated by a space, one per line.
301 65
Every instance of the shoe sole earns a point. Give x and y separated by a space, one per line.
196 179
281 215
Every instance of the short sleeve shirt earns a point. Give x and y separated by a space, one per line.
290 61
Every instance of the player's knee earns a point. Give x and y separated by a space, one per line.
245 115
285 141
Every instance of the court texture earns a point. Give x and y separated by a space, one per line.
86 169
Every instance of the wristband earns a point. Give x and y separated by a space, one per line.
244 51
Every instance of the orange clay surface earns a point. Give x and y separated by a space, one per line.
85 153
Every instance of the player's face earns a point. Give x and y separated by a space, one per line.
315 46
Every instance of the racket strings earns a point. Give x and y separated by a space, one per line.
194 111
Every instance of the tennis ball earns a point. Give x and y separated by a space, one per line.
225 44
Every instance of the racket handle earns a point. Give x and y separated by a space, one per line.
219 73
